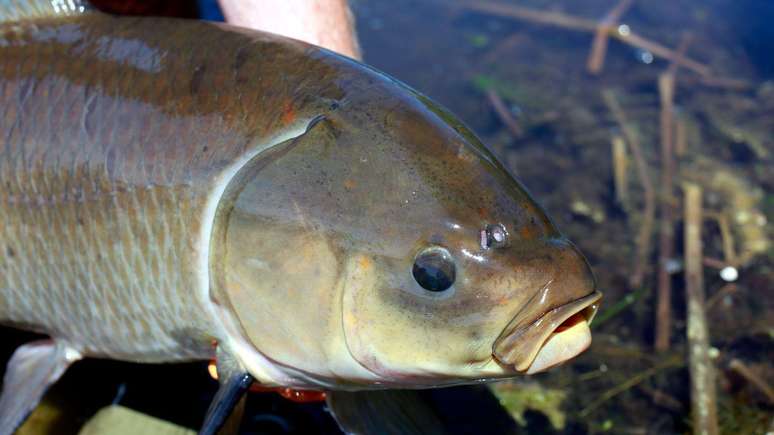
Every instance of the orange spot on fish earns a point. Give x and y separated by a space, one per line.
300 396
288 112
527 232
349 184
364 262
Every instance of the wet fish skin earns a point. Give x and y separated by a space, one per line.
115 136
178 190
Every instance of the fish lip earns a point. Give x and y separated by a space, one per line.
518 344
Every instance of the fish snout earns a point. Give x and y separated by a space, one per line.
555 337
554 326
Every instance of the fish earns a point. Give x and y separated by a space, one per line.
178 190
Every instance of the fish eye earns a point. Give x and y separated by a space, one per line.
434 269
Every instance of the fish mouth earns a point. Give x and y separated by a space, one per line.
555 337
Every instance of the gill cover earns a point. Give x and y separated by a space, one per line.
318 240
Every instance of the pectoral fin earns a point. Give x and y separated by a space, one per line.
234 383
31 370
386 412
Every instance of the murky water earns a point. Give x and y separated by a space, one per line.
532 59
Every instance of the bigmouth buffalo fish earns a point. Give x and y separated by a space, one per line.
176 190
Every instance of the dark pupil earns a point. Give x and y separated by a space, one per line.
434 271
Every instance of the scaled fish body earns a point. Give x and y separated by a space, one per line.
169 184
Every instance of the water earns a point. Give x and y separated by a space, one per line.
725 117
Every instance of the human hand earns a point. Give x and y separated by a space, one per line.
327 23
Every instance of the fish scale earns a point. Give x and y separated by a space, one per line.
108 173
68 282
98 250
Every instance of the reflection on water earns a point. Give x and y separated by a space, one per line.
585 119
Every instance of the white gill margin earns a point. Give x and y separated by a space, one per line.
259 366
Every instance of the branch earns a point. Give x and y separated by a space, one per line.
649 209
703 395
565 21
599 46
666 239
629 383
741 368
503 113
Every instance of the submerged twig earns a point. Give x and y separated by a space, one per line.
675 361
703 395
726 290
728 239
620 171
582 24
607 349
742 370
618 306
599 45
726 236
649 209
714 263
533 15
666 87
663 399
681 136
666 84
503 114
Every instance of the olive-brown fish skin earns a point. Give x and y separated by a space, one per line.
124 136
177 190
114 133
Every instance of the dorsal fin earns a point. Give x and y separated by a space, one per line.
16 10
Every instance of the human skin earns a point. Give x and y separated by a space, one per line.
327 23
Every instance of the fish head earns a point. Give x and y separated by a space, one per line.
387 247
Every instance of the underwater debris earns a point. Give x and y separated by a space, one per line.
503 113
575 23
643 173
519 397
606 25
583 208
668 363
620 170
666 248
739 206
753 378
703 390
666 87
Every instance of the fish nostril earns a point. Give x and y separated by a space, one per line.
494 236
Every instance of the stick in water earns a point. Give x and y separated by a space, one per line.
703 395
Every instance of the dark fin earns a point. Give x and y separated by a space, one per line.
234 383
15 10
234 421
472 409
386 412
30 371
